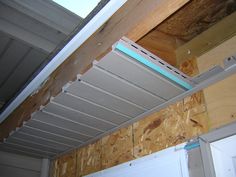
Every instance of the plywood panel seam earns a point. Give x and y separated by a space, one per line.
133 140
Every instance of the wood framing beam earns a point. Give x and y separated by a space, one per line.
207 40
151 16
133 20
182 27
161 44
220 98
196 17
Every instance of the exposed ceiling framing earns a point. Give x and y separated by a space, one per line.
174 34
194 18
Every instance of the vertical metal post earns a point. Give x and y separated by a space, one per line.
207 158
45 168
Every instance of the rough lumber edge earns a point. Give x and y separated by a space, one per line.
209 39
161 45
160 12
196 17
128 20
183 26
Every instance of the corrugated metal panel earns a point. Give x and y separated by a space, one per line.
6 148
11 171
9 59
14 165
29 149
4 43
19 161
18 75
30 31
24 22
47 12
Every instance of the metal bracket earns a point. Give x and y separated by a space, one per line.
228 62
208 74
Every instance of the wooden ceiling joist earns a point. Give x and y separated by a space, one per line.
215 35
184 25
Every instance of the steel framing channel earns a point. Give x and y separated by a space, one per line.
205 141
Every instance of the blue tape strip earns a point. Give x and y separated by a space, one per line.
151 65
191 146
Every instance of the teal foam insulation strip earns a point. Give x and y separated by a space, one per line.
153 66
191 146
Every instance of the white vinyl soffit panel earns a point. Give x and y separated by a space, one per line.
126 85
